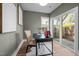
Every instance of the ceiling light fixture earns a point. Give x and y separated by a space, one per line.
43 4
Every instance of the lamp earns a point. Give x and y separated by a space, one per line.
43 4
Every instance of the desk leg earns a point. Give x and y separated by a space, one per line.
36 50
39 45
52 47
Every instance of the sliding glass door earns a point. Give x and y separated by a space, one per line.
64 28
68 24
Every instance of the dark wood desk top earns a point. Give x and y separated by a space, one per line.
43 39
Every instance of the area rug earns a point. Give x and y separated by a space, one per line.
41 50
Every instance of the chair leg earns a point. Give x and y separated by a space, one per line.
26 49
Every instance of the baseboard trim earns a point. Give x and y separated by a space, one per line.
16 51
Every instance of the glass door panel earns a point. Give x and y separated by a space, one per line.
56 28
68 30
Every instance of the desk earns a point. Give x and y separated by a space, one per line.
42 40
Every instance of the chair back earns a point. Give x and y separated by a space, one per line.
28 35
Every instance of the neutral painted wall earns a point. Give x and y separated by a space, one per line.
19 34
63 8
7 43
10 41
32 21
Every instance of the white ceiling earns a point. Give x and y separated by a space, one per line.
35 7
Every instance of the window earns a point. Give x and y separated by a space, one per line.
20 16
45 22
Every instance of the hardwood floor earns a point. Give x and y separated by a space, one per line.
22 51
62 51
